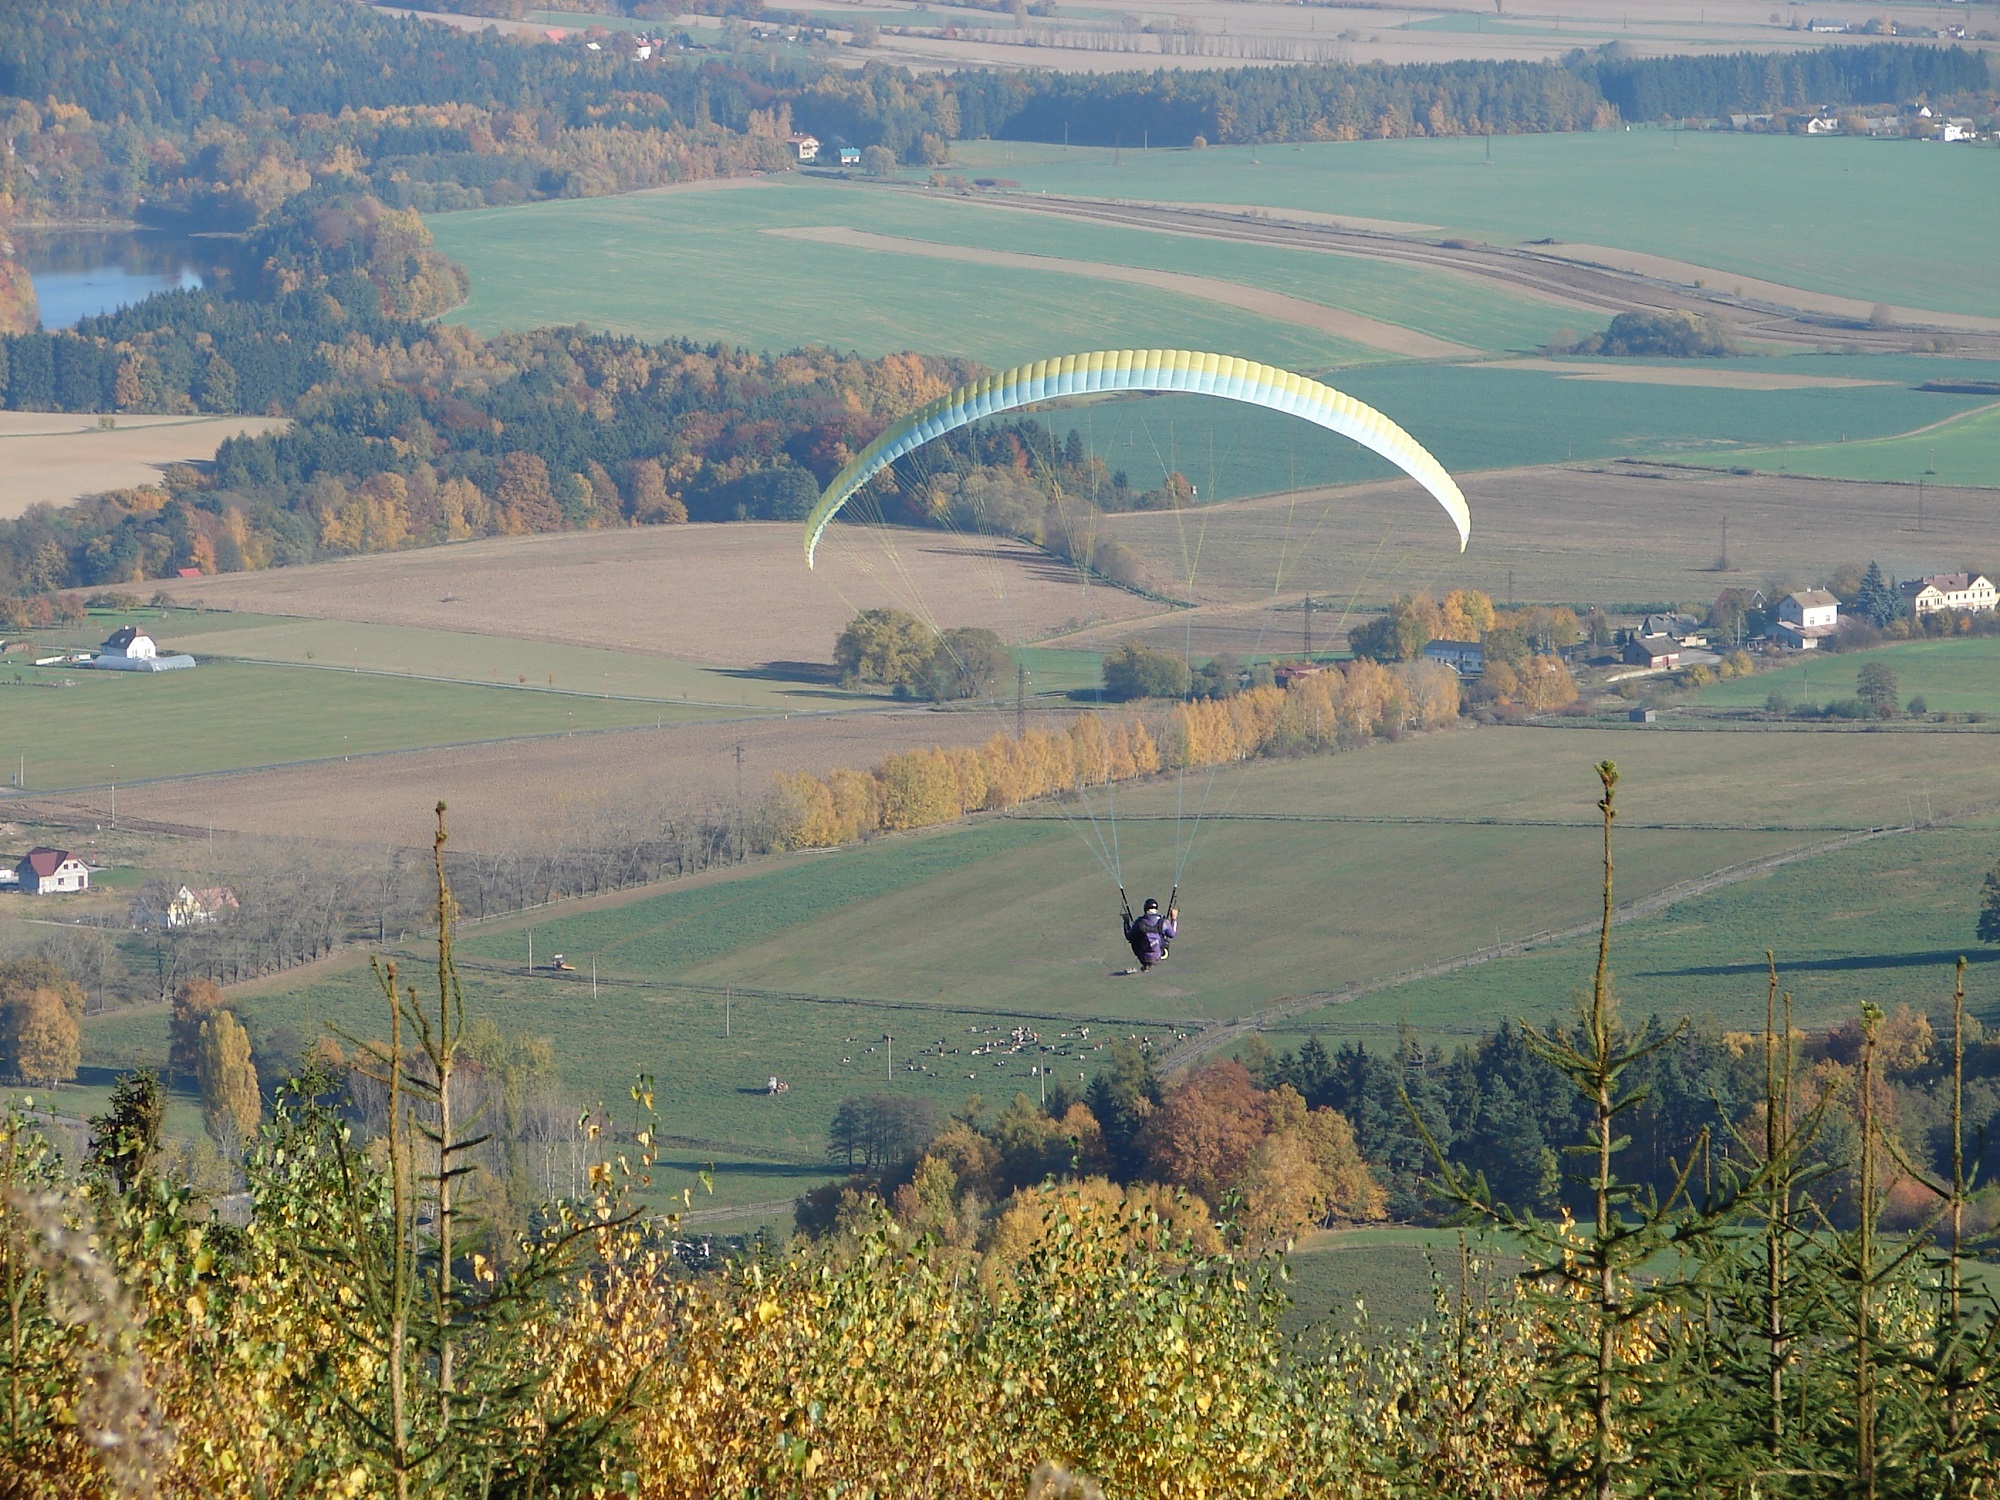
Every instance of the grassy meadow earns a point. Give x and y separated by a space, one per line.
1884 921
462 657
231 715
1476 417
1951 676
694 265
1743 203
1962 451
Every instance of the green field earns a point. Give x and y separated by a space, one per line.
693 265
1964 451
1745 203
1476 417
1884 921
461 657
698 264
227 716
1952 676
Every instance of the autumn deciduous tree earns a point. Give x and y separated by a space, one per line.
646 497
1544 683
527 501
47 1041
194 1003
35 1045
1203 1134
884 647
230 1103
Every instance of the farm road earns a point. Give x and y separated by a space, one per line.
1589 277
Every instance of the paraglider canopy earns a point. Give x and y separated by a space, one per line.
1132 370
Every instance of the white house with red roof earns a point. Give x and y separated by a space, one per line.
52 872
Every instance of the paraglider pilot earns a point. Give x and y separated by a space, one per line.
1151 934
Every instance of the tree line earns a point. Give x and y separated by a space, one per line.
1333 708
207 112
199 111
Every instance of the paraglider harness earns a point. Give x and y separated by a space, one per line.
1150 926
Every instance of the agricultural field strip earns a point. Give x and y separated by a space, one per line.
748 992
34 799
1970 440
1207 1041
1394 820
1749 202
1388 337
1553 279
700 273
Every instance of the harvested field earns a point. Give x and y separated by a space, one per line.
736 595
1616 533
52 458
502 793
1352 326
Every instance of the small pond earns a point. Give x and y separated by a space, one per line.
80 273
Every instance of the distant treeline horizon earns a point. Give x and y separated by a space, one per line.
201 114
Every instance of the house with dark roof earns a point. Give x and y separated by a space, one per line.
52 872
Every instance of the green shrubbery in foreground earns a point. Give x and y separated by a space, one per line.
364 1333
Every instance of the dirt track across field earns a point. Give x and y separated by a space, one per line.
1298 311
1578 276
725 594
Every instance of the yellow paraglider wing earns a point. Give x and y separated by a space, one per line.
1117 370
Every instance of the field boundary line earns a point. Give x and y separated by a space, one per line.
1416 821
1182 1054
746 992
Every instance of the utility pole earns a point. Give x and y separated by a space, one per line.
114 796
739 802
1722 562
593 979
725 1013
1510 588
892 1055
531 950
1920 503
1309 627
1020 700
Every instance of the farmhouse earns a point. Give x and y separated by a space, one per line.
1806 618
1653 651
1965 593
50 872
1467 658
1288 672
185 908
806 147
850 156
130 649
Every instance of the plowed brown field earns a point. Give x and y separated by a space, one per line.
732 595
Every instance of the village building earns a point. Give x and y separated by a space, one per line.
52 872
1467 658
1653 651
805 147
1285 673
185 908
130 649
1962 593
850 156
1806 618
